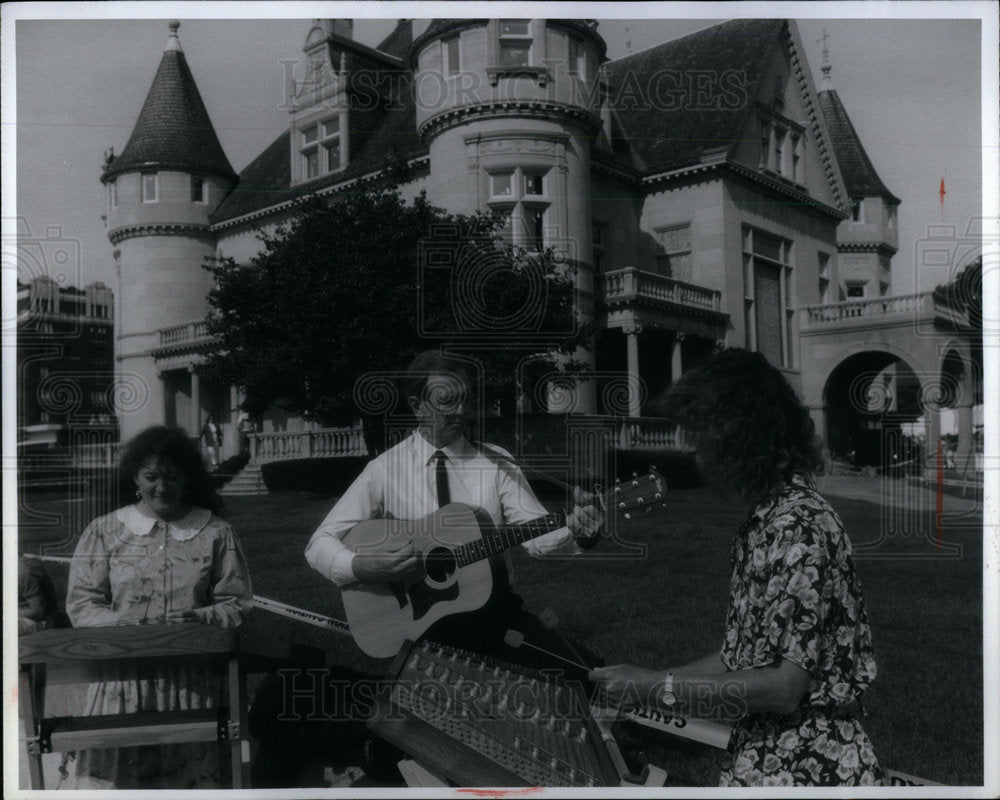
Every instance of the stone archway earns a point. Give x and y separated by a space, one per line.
866 399
955 390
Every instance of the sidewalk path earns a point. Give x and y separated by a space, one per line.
895 491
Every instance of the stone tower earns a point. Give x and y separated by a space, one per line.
868 239
160 192
509 109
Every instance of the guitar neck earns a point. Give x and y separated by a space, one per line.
643 492
508 536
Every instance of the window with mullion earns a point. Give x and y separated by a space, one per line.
520 193
768 296
515 43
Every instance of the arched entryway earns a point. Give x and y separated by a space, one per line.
869 399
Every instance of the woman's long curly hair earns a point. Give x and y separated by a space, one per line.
175 447
751 430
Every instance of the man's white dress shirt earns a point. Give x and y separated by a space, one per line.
401 484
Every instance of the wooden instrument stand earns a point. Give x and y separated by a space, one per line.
86 655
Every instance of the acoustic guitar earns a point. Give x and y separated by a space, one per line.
455 544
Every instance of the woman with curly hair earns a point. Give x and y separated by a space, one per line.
797 651
164 557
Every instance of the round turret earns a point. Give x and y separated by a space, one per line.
509 108
160 192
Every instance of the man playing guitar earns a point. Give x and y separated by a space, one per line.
435 465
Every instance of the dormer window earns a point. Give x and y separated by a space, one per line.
199 189
765 145
779 152
150 187
319 148
515 43
782 147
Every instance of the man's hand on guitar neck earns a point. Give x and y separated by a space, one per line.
399 564
585 520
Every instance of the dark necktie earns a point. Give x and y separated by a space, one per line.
441 472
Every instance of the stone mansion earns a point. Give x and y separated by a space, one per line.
709 192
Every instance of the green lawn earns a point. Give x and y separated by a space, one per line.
667 606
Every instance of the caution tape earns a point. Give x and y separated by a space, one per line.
263 603
54 559
714 734
293 612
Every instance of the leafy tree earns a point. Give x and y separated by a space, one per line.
356 286
966 292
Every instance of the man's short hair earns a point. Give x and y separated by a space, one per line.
432 362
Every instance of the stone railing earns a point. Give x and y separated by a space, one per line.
631 283
96 455
649 433
188 332
868 307
318 443
540 437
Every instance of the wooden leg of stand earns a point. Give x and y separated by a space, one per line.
31 720
237 715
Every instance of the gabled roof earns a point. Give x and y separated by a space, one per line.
857 169
266 181
669 135
173 130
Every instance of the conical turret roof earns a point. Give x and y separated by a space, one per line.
859 173
173 130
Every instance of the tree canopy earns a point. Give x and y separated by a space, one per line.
965 291
353 287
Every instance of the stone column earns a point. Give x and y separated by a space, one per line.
195 402
675 358
634 380
933 416
965 446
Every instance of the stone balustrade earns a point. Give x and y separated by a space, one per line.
911 304
188 332
630 284
318 443
544 437
95 455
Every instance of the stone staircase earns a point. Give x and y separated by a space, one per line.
248 481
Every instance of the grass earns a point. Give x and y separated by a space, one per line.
668 606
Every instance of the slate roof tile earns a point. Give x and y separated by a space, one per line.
857 169
173 130
670 131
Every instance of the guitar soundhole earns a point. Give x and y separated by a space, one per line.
440 564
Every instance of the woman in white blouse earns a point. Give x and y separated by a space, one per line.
165 557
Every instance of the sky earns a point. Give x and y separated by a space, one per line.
911 87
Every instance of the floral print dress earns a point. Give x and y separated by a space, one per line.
130 569
794 595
